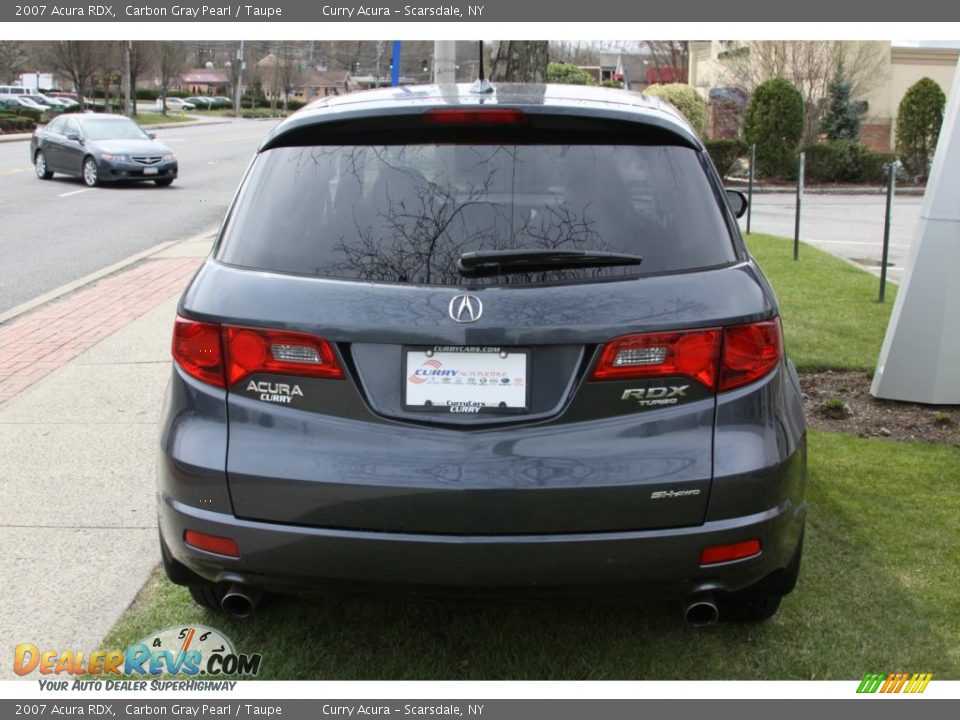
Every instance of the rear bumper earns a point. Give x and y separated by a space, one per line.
289 558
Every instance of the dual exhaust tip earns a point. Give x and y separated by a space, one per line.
241 601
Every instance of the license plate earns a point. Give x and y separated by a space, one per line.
150 171
466 380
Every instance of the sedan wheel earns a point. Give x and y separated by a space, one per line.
40 164
90 173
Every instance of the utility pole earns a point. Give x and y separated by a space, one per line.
236 90
444 62
128 82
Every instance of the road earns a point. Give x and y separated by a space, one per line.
57 231
847 225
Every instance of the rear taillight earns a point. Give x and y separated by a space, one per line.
196 347
250 351
691 354
749 353
223 356
720 359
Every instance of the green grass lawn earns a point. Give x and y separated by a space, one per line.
877 592
145 118
831 317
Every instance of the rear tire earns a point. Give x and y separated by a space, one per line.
164 182
761 602
40 165
208 596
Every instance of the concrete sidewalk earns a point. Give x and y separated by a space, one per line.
81 386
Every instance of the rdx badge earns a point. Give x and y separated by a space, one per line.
657 395
275 392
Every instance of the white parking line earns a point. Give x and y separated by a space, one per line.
75 192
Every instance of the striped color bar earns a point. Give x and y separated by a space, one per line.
894 683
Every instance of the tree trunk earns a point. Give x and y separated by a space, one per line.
521 61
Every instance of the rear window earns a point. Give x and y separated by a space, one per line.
405 213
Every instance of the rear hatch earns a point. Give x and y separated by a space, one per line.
413 343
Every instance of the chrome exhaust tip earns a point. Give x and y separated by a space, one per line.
701 611
240 601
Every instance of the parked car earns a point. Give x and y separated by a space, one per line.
100 148
204 103
49 103
24 101
14 90
178 104
483 343
222 101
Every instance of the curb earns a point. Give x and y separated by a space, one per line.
808 190
97 275
15 137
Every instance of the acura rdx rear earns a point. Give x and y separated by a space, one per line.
452 342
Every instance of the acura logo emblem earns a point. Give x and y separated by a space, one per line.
465 308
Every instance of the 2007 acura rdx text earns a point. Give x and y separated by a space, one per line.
505 342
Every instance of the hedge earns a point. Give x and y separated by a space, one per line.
725 152
845 161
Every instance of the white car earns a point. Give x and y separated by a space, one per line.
177 104
26 102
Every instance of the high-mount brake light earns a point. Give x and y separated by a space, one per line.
222 356
717 358
470 116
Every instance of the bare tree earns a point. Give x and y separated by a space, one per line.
288 71
13 59
78 60
575 52
810 65
170 63
141 58
671 54
521 61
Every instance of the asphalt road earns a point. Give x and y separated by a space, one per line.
847 225
52 232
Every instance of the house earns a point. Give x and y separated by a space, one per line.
204 81
314 84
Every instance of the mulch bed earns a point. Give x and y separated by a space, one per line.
841 402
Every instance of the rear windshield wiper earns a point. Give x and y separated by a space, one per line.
484 263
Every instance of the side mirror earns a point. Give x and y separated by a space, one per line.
738 202
152 136
74 137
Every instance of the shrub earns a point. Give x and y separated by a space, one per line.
845 161
147 93
686 99
615 84
774 121
919 118
875 166
567 74
725 153
16 123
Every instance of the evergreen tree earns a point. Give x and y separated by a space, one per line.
842 121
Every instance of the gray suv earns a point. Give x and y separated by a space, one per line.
506 343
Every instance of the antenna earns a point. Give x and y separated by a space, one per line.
481 85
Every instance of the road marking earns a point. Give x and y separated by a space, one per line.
75 192
15 170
